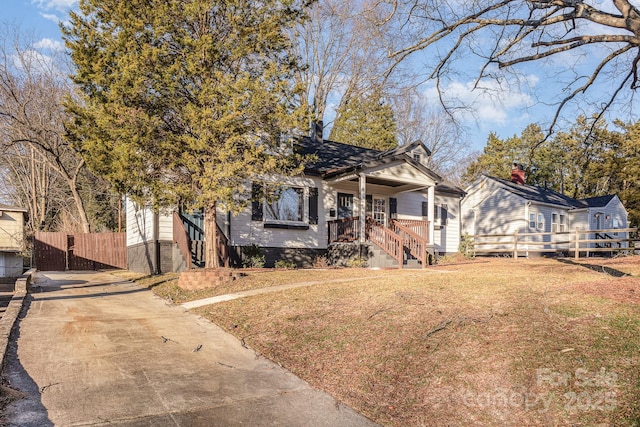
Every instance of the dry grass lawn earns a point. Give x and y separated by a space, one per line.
495 342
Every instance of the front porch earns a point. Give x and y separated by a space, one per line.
402 240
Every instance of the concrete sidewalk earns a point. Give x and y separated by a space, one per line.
92 349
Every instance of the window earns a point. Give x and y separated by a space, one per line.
532 221
554 222
562 225
289 207
416 157
540 221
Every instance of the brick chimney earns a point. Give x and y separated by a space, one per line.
517 174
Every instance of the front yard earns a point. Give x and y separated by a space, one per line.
495 342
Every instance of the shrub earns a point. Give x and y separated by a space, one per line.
321 261
252 257
466 247
288 265
357 262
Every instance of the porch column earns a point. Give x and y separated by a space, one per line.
363 208
431 195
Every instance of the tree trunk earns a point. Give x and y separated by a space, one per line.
211 258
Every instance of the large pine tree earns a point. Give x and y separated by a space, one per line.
185 100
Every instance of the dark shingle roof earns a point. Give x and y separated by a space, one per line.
597 202
540 195
333 155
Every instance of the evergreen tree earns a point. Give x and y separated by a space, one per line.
185 100
366 122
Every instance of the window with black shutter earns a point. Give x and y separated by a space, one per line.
425 209
393 208
313 205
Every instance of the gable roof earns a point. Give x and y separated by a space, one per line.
543 195
597 202
336 158
539 194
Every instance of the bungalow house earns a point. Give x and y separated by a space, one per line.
387 207
495 206
11 241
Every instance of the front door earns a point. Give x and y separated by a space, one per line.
379 210
345 205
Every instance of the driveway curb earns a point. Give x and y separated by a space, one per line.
14 308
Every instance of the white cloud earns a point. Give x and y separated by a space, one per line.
49 44
489 103
50 17
61 5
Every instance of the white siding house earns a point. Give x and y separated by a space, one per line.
495 206
337 199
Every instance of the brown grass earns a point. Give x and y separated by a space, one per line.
485 343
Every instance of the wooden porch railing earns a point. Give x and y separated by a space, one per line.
419 227
416 244
344 229
386 239
181 238
223 247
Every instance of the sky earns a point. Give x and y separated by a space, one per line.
506 111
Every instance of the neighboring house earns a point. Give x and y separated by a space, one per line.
389 203
497 206
11 240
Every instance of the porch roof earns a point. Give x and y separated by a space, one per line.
337 161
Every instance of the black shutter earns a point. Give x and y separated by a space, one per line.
393 208
369 209
425 209
313 205
445 213
256 202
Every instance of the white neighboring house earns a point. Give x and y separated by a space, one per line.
497 206
350 197
11 240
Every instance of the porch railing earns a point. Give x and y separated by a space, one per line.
415 243
421 228
344 229
386 239
181 238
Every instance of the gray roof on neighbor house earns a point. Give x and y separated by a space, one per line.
597 202
8 208
539 194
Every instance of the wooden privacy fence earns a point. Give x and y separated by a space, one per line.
577 242
86 251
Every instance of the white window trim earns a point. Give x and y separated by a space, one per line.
540 222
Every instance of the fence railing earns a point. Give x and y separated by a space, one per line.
386 239
344 229
419 227
416 244
181 238
571 242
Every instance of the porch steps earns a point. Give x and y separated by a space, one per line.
378 258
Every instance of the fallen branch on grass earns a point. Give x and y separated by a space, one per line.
440 327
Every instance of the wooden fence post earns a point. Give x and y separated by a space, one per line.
515 245
577 253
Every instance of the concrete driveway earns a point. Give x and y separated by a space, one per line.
91 349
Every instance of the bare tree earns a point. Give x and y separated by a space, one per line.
344 56
32 90
417 120
585 44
